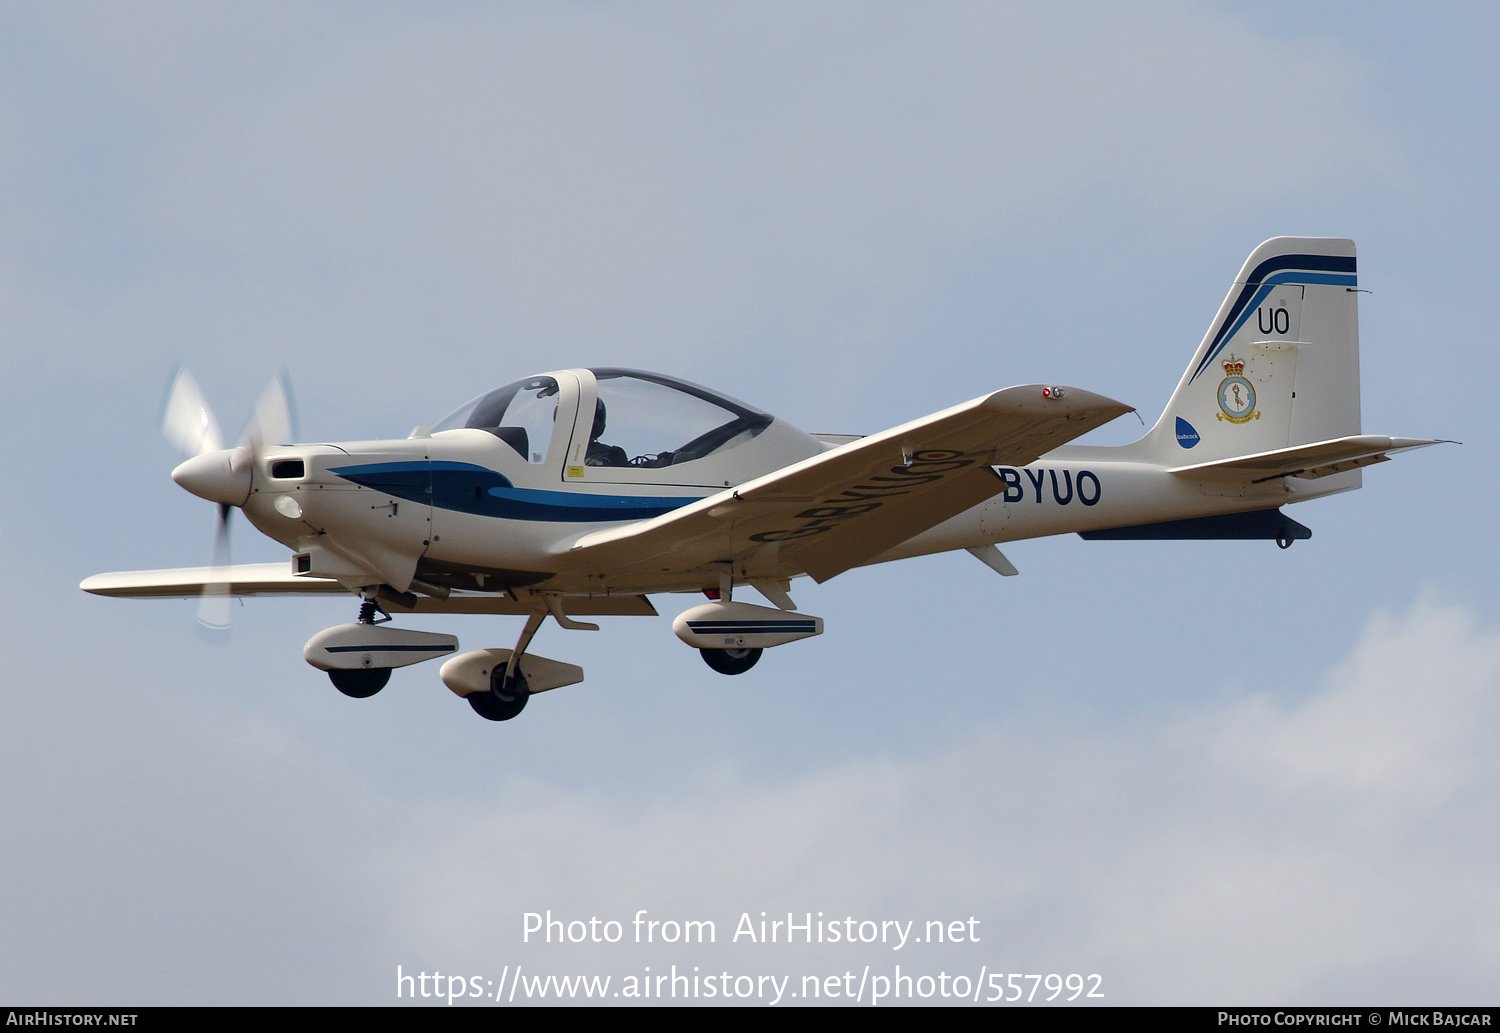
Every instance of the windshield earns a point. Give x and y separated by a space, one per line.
520 414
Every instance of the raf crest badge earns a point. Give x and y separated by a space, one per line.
1236 394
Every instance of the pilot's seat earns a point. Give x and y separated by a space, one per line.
600 454
515 437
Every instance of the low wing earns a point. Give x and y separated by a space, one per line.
845 506
189 582
276 579
1319 459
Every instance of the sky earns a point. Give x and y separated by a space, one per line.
1204 772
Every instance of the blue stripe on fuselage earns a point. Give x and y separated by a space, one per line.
467 488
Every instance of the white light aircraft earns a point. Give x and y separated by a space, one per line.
580 492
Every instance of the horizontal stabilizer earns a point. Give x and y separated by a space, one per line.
1318 459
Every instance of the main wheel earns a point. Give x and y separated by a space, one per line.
361 682
731 661
500 704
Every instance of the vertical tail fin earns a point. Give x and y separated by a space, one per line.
1279 365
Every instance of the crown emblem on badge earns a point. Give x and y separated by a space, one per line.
1234 367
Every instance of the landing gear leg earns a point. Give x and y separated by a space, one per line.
508 689
363 682
729 661
370 605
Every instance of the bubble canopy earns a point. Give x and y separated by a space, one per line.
641 420
521 414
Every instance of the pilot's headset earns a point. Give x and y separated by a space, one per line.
599 419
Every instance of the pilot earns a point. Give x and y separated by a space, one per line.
600 454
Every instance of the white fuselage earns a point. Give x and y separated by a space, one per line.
460 509
1085 488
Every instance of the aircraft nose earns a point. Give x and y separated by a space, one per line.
222 476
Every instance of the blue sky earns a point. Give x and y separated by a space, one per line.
1207 771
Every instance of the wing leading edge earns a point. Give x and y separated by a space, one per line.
271 579
844 507
275 579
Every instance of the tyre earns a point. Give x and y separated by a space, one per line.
731 661
497 705
362 682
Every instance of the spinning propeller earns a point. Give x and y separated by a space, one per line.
218 474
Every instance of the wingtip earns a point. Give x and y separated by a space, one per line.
1054 397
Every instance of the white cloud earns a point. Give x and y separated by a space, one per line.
1398 722
1301 838
1285 846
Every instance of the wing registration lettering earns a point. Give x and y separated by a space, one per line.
926 467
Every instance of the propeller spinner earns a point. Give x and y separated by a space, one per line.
218 474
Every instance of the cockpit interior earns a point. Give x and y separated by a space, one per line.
641 420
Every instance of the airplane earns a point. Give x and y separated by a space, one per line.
582 492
